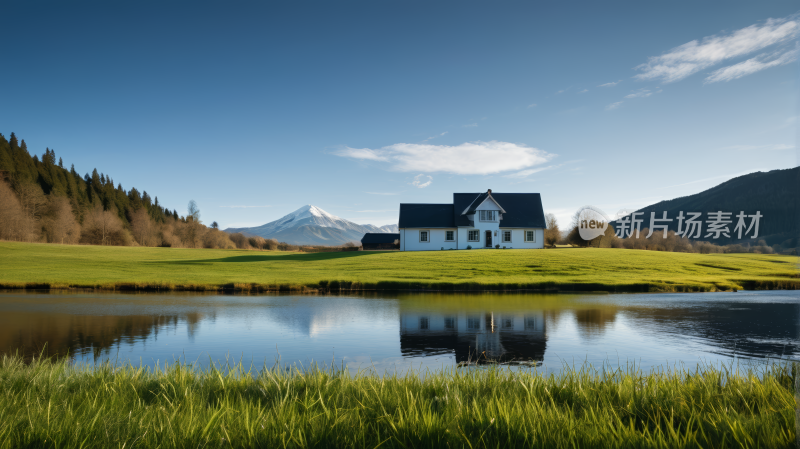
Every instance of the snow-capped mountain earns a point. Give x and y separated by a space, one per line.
311 225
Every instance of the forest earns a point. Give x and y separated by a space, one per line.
43 201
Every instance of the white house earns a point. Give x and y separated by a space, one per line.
477 220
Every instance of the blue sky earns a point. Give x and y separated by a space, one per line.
254 109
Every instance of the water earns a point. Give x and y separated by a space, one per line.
397 331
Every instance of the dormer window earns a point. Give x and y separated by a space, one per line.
487 215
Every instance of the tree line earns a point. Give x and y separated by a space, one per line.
43 201
657 242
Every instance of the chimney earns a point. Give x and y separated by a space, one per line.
490 191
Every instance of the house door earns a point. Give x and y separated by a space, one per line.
488 239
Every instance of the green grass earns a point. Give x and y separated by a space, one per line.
61 266
52 404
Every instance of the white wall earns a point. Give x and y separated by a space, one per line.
409 239
481 226
518 238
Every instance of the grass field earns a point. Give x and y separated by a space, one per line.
53 404
27 265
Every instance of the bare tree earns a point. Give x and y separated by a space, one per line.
552 234
142 227
193 220
15 224
60 224
103 227
32 199
194 211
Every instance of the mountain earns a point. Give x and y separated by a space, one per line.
390 229
311 225
775 194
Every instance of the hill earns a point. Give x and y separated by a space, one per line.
775 194
310 225
43 201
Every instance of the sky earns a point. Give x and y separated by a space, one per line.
254 109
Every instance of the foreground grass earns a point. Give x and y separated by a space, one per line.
61 266
51 404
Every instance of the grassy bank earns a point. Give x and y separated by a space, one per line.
26 265
51 404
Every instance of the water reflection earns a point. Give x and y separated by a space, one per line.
400 330
478 336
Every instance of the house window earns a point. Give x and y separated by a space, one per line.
474 236
530 236
487 215
449 236
423 236
449 323
507 323
506 236
423 323
473 323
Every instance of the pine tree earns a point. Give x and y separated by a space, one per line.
49 157
60 163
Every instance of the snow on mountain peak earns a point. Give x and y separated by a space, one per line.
309 210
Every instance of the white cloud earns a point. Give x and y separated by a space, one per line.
381 193
244 207
583 91
469 158
612 84
530 171
434 137
694 56
613 106
641 93
562 91
752 65
532 105
471 125
419 181
361 153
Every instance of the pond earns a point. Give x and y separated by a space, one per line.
398 331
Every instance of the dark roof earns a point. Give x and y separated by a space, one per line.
379 237
477 202
426 216
523 210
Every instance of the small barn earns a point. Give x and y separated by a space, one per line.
379 240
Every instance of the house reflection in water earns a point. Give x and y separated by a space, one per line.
482 337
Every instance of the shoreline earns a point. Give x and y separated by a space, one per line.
355 286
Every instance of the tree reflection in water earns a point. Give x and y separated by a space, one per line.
508 328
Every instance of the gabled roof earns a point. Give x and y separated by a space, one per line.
426 216
523 210
379 237
473 207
